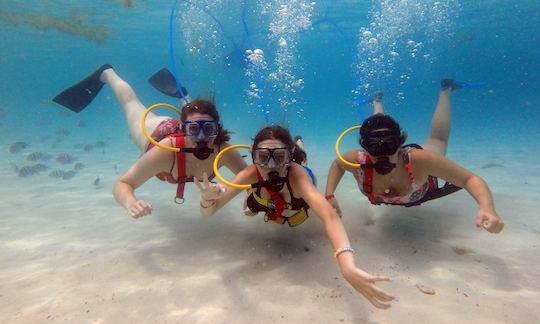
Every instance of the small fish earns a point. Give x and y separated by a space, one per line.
115 167
96 182
26 171
78 166
78 146
101 144
38 156
57 173
69 174
492 165
88 147
17 147
64 158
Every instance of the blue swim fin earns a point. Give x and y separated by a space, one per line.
456 84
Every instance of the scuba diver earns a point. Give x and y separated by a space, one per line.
284 191
406 175
198 134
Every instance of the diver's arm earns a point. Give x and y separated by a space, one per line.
233 161
213 197
149 164
337 170
363 282
430 163
335 173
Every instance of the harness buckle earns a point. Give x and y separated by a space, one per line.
178 200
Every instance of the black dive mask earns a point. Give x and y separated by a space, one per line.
274 183
382 165
381 143
201 151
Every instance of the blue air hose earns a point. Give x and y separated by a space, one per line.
171 53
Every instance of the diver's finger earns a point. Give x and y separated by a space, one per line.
197 183
379 278
479 221
375 302
222 187
381 294
205 179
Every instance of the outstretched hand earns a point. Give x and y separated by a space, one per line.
209 191
489 221
364 283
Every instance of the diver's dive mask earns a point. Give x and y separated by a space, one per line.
278 159
381 142
203 132
271 157
209 128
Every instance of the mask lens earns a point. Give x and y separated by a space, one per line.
261 156
281 156
192 129
210 129
381 143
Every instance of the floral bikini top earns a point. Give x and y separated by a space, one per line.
365 181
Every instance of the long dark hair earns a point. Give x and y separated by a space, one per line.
206 107
281 134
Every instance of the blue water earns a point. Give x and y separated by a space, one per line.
491 41
309 86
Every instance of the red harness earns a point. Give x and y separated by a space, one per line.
181 167
368 183
277 200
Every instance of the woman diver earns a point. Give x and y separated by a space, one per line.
198 134
407 175
284 191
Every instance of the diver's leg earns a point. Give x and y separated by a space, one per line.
133 108
377 102
440 124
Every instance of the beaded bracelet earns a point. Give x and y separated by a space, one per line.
328 197
343 249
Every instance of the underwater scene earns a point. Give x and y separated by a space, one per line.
89 235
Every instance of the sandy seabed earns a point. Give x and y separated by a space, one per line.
70 254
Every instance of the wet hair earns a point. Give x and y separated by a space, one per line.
281 134
206 107
382 121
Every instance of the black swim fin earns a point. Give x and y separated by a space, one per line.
80 95
163 80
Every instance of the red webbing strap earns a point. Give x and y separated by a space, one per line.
181 167
367 182
277 199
